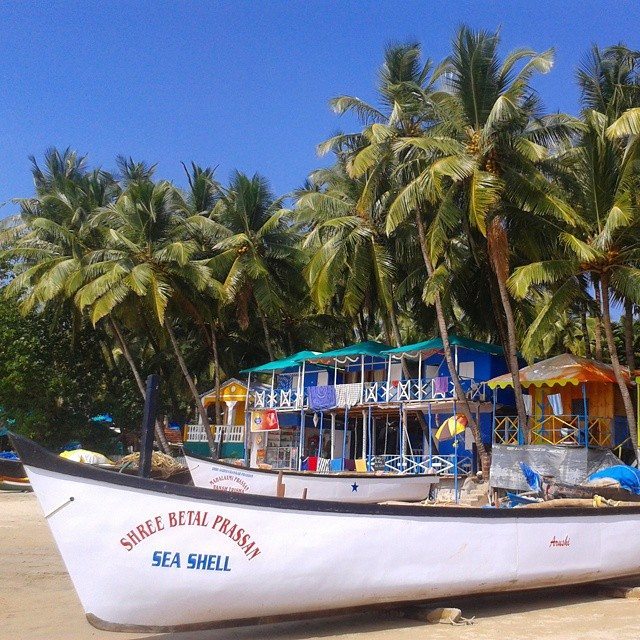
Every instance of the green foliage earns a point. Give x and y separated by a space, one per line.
457 191
54 379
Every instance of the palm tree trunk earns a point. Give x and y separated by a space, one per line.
485 460
162 440
395 330
194 392
127 354
615 363
598 329
585 335
216 373
498 249
267 334
628 335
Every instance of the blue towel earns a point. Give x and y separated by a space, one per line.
628 477
322 398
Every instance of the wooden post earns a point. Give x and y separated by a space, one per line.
333 435
247 423
280 487
586 416
272 396
301 447
300 398
344 437
148 424
364 434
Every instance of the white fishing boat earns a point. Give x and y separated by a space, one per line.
338 487
150 556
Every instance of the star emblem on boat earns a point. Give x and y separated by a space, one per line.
354 487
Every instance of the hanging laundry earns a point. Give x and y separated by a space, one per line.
555 401
348 395
441 385
322 398
266 420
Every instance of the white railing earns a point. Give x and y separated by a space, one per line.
422 389
230 432
439 465
381 392
445 465
274 399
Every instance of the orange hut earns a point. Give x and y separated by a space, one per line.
570 401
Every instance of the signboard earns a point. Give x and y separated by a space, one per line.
264 421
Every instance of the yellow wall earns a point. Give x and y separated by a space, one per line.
600 396
232 391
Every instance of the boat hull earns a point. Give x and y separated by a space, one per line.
349 487
148 555
13 476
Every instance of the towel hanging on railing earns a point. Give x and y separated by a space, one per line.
441 385
322 398
347 395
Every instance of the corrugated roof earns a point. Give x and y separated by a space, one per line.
368 348
292 361
435 344
560 370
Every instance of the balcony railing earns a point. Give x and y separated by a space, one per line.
554 429
416 464
229 432
381 392
422 389
275 399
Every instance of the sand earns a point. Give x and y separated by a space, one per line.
37 602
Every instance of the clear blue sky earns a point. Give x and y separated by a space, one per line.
240 84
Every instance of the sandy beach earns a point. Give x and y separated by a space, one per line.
38 602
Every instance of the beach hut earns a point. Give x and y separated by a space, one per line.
426 390
569 400
233 401
354 368
277 398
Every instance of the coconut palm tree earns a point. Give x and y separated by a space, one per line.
606 249
350 263
496 175
381 154
258 259
148 265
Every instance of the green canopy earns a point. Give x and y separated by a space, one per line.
368 348
292 361
435 344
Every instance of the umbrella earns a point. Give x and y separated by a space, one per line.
451 427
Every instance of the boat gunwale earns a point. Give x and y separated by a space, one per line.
13 469
312 474
33 455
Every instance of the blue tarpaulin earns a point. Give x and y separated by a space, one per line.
8 455
627 477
